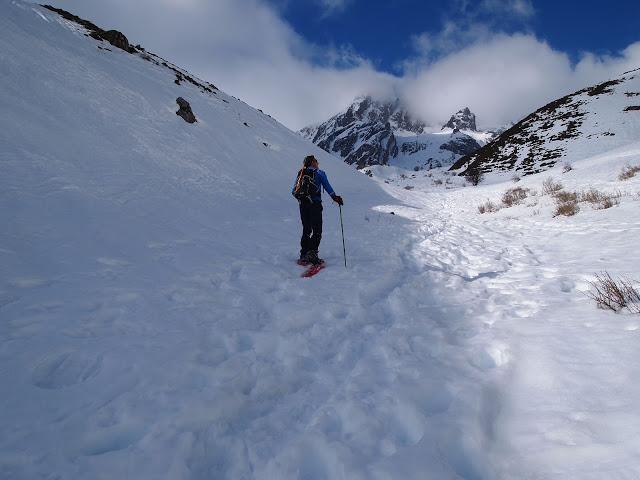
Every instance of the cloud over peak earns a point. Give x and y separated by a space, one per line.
246 48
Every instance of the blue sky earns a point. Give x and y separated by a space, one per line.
303 61
382 31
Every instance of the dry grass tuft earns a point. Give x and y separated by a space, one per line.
614 294
563 196
566 203
514 196
566 209
550 186
567 167
600 200
628 172
488 207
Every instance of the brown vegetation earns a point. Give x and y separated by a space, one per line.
550 186
600 200
514 196
488 207
614 294
567 209
628 172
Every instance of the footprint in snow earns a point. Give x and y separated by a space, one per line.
491 357
111 439
65 369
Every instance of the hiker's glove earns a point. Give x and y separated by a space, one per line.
338 199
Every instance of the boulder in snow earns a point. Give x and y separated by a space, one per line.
185 111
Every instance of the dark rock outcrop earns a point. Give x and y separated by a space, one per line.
185 111
115 38
364 134
462 120
119 40
460 144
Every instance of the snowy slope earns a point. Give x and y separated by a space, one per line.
154 325
559 398
569 129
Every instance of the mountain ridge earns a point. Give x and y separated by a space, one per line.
375 132
600 116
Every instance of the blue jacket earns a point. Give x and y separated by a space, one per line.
321 181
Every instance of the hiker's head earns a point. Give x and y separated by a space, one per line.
310 161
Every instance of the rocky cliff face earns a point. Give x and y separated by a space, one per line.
371 132
462 120
365 134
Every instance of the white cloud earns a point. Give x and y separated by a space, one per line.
451 38
505 77
247 49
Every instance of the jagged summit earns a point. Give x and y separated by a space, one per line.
462 120
373 132
364 133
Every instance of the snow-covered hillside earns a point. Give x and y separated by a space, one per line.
372 132
154 325
569 129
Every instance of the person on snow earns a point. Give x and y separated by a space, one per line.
307 190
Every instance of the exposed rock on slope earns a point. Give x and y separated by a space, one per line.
115 38
119 40
364 134
584 123
185 111
461 144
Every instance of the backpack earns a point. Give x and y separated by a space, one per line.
306 186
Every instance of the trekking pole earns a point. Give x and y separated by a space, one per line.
344 251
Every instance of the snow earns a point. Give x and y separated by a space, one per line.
154 324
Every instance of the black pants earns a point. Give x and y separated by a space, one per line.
311 216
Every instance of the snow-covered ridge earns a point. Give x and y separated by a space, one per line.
590 121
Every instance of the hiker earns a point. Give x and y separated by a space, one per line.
307 190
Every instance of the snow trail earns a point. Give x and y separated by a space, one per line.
553 371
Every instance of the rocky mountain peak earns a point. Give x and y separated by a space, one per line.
375 132
463 119
369 110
